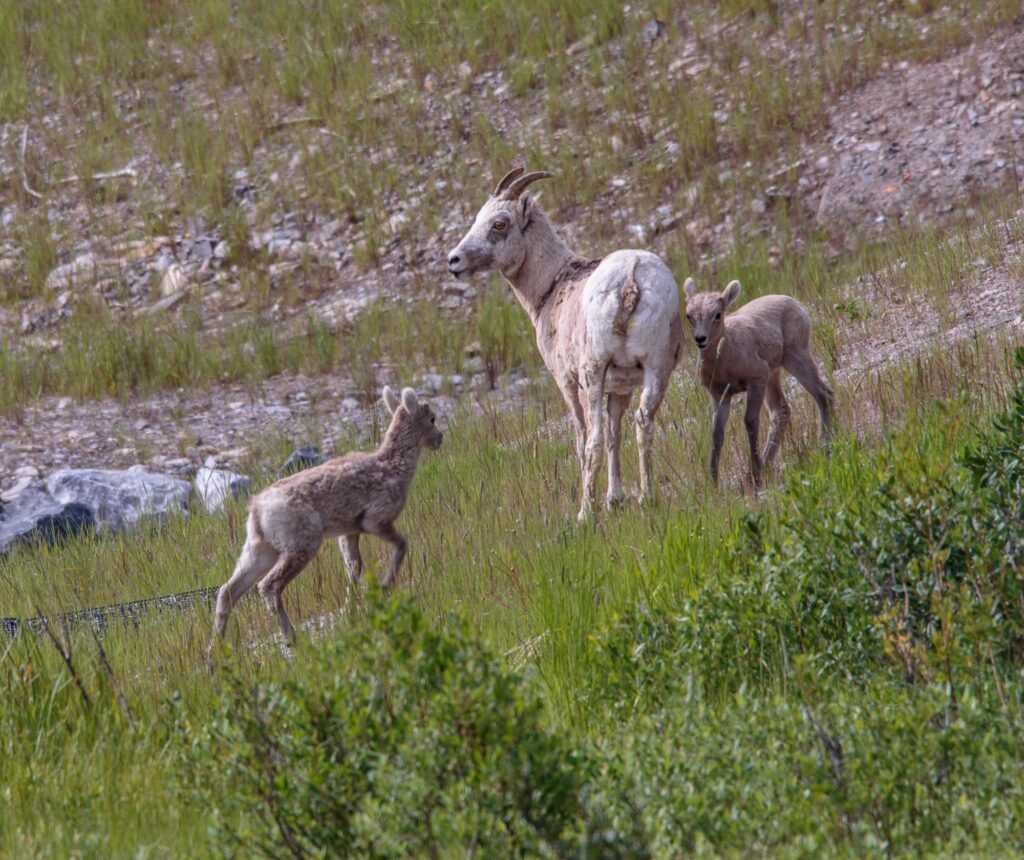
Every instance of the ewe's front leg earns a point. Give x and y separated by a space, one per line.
571 395
594 392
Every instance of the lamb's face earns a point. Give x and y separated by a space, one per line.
427 423
408 408
705 312
495 241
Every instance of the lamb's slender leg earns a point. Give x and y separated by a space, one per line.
287 567
778 406
391 535
805 369
594 391
655 386
617 405
256 559
721 402
349 546
752 421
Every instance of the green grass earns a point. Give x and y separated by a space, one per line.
608 624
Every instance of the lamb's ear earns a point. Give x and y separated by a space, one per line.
390 400
409 400
731 292
690 288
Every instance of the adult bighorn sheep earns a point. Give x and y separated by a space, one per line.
604 327
746 352
345 497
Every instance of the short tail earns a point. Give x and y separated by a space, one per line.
630 299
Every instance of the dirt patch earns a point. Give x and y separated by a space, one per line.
921 141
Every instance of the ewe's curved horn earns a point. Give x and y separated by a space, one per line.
519 186
506 179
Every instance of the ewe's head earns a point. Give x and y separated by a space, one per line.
419 416
706 311
497 238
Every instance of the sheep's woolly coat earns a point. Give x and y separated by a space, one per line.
604 327
342 498
745 352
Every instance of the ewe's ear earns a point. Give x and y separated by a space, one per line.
690 288
409 400
731 292
526 206
390 400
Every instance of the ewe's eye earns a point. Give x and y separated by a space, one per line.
500 225
717 317
432 419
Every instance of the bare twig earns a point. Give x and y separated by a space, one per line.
301 120
24 177
122 701
66 657
97 177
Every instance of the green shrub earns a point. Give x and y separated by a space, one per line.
395 740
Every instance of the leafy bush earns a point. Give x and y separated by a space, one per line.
396 740
886 770
921 568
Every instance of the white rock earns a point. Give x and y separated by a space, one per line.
215 486
118 499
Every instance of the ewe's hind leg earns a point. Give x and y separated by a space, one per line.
655 385
256 559
617 405
778 406
805 369
288 566
349 546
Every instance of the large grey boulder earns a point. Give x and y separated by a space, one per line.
216 486
22 513
118 499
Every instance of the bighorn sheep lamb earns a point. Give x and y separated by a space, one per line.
604 327
343 498
746 351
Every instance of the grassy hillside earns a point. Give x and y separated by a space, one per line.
827 669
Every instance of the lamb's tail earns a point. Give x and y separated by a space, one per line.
253 527
630 299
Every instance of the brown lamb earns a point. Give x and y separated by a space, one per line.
343 498
746 351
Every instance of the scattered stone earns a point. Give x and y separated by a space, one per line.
433 382
652 31
80 269
302 458
173 281
215 486
118 499
22 484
